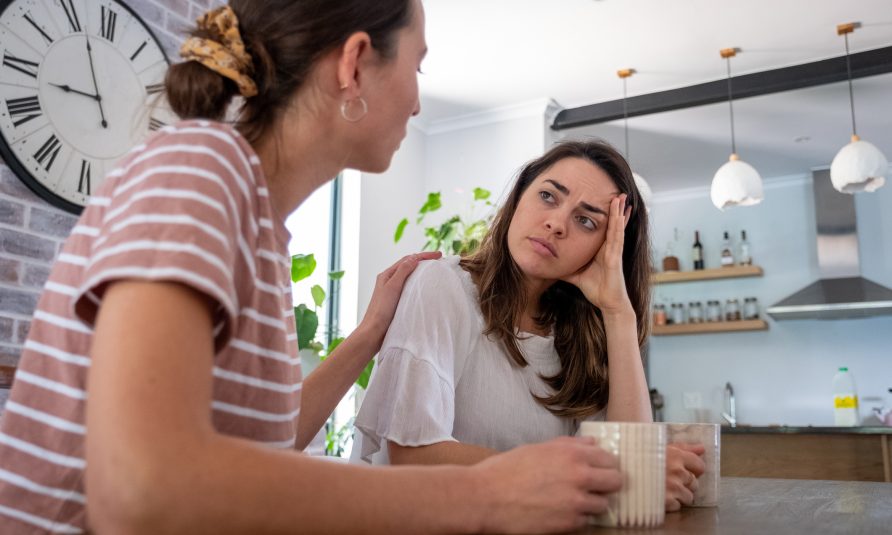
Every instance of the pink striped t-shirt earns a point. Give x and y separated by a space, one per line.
191 205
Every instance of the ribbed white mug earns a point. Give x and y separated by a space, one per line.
710 435
641 449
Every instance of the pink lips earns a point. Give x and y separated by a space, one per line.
543 247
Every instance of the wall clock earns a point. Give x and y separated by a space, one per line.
80 84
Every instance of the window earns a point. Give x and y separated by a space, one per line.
326 225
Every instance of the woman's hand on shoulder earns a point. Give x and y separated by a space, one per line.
386 296
602 281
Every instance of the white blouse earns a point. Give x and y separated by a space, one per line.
439 378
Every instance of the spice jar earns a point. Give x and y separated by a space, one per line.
659 315
732 310
750 308
695 312
678 314
713 311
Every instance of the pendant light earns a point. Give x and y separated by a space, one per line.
736 183
640 183
859 166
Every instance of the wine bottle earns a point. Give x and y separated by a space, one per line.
727 254
697 251
744 258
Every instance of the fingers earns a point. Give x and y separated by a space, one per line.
603 480
593 504
693 462
696 449
411 259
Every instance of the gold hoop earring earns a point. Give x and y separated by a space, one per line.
354 109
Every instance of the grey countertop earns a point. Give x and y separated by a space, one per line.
785 429
790 507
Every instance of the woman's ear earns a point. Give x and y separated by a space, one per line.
352 56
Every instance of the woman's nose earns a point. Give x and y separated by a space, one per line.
555 226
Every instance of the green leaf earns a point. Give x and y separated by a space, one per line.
306 322
481 194
432 204
318 294
363 379
334 345
400 228
302 266
335 275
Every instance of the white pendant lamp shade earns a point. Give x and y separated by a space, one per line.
736 183
644 189
859 166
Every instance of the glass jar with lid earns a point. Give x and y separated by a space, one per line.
659 314
678 313
713 311
750 308
732 310
695 312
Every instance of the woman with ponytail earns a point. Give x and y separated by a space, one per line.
160 388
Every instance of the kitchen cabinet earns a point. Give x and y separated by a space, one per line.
833 453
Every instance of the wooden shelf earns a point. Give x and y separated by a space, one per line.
732 272
710 327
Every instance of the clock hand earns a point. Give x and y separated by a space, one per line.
67 89
95 85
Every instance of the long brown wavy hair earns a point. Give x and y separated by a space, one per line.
581 386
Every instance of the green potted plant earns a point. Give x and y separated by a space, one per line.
456 235
313 350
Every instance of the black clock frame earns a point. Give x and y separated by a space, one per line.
12 161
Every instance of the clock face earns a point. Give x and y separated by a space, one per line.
80 84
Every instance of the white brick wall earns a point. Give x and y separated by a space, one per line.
32 231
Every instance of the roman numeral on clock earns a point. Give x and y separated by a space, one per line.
47 153
151 89
22 110
138 50
49 40
22 65
155 124
71 13
109 20
83 185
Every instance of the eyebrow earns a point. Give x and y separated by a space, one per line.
584 205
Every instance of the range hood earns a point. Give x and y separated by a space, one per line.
841 292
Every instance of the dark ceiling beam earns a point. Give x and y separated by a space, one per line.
868 63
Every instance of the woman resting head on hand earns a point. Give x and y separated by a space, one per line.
533 333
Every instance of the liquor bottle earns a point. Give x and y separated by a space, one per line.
744 258
670 261
727 254
697 251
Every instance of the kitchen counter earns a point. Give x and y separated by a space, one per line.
785 429
782 506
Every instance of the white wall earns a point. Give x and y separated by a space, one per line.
487 155
384 200
783 375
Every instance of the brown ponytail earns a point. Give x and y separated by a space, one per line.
195 91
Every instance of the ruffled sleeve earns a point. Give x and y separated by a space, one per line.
411 397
